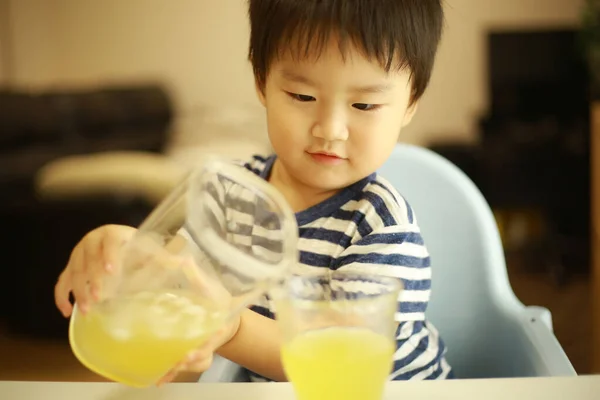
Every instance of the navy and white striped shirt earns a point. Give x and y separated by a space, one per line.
368 226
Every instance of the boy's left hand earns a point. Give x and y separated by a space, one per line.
200 360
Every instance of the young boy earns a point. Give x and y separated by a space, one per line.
339 80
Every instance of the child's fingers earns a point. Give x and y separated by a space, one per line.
168 377
200 365
111 250
92 268
61 293
79 282
64 284
90 260
109 258
199 360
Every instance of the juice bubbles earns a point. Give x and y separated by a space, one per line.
338 363
137 339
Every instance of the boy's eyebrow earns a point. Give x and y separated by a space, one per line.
298 78
380 88
295 77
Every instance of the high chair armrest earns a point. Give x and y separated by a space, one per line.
541 314
547 354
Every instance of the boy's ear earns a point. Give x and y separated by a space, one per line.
410 113
260 93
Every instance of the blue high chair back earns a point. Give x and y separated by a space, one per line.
488 332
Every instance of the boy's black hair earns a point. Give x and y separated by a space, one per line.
398 34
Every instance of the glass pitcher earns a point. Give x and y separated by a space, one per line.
220 240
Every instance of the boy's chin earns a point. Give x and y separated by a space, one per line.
329 180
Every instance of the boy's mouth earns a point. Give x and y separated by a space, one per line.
324 157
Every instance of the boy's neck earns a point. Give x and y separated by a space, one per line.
299 196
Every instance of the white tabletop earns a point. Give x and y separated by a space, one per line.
493 389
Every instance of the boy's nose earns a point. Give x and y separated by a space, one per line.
330 128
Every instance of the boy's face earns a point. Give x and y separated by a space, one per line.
335 119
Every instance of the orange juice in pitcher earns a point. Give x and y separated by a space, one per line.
137 339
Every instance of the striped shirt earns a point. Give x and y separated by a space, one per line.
368 226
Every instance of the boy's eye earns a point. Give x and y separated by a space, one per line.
364 106
301 97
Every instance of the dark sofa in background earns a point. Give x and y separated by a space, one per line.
36 234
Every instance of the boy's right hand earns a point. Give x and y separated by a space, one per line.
95 255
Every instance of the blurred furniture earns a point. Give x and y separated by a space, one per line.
489 333
37 128
546 176
38 233
532 156
595 222
535 140
576 388
143 175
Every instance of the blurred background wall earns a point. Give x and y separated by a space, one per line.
198 47
103 104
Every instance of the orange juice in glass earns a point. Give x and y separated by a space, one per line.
338 330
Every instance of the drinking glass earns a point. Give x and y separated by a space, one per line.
338 333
